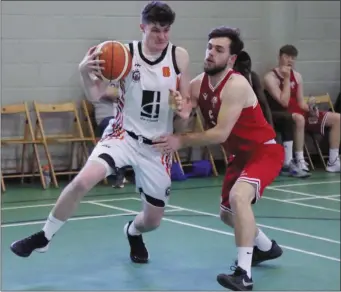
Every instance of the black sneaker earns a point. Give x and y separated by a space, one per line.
259 256
238 281
138 251
36 242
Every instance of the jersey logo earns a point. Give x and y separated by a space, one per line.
136 75
150 106
166 71
211 116
214 101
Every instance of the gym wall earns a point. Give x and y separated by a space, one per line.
43 41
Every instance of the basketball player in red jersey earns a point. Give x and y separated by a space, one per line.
233 114
285 86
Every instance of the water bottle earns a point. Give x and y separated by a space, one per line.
313 110
47 175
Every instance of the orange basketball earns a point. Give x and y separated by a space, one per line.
118 60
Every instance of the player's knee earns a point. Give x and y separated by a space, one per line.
226 217
242 194
299 121
334 119
152 217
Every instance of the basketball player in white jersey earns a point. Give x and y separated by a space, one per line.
147 114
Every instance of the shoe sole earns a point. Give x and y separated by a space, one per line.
231 286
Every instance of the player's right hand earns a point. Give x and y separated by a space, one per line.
285 71
89 64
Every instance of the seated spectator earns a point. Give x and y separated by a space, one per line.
285 86
283 122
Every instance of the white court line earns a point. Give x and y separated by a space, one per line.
215 230
49 205
330 197
184 209
302 204
262 225
71 219
297 193
76 219
306 184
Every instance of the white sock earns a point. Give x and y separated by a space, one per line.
299 155
132 229
288 152
333 155
262 241
245 259
51 226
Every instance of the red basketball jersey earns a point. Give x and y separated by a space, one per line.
293 106
251 128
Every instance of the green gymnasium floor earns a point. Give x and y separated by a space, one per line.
191 247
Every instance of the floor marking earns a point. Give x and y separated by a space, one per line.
215 230
299 193
307 183
329 197
264 226
52 204
302 204
71 219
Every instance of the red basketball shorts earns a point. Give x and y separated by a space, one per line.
259 167
319 125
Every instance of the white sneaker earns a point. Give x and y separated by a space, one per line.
333 166
303 165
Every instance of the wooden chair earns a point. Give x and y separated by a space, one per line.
3 188
88 114
75 137
87 122
320 100
24 140
197 122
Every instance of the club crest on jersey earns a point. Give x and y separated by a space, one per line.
214 101
136 75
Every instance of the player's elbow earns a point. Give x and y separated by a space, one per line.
220 136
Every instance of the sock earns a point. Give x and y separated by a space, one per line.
132 229
333 155
299 155
245 259
52 225
288 152
262 241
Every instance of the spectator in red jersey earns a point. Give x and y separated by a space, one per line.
285 86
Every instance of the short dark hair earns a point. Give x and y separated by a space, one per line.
289 50
236 46
158 12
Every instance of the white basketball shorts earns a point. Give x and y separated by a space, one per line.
152 168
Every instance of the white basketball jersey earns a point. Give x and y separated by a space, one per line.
146 109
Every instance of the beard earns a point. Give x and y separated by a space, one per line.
215 70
